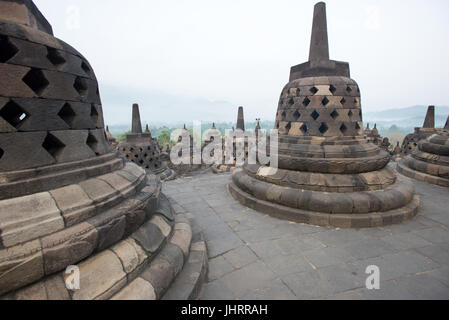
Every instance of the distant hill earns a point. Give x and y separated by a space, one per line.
410 117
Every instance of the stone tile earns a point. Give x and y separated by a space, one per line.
218 267
394 266
403 241
323 282
219 246
324 257
339 237
216 290
251 277
218 230
284 265
389 290
435 234
265 249
423 286
298 244
368 248
438 253
273 290
441 274
253 236
240 257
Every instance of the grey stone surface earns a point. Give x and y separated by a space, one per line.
254 256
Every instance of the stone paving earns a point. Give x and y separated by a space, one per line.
254 256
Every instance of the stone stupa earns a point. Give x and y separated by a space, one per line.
410 143
67 198
142 149
229 167
328 172
429 161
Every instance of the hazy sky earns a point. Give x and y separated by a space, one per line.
240 52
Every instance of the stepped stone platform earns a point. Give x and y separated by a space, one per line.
430 162
255 256
329 174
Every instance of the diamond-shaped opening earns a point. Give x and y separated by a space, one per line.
80 86
277 125
297 115
92 143
343 101
291 101
85 67
13 114
94 114
288 126
332 89
53 145
298 92
350 113
315 115
348 89
283 115
343 128
325 101
7 49
306 102
304 128
323 128
357 126
314 90
1 153
55 57
67 114
334 114
36 80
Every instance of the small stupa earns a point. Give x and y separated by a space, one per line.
142 149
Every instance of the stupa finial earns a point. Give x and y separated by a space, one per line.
319 44
136 124
430 118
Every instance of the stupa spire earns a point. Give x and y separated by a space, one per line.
241 120
430 118
319 44
136 124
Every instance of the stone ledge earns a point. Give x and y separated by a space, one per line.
375 219
420 176
393 197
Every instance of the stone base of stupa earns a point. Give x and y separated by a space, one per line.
127 239
223 168
430 162
361 200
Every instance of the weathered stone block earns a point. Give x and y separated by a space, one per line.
139 289
74 204
27 218
100 276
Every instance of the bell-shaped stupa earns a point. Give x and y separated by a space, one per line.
329 174
142 149
67 200
429 160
